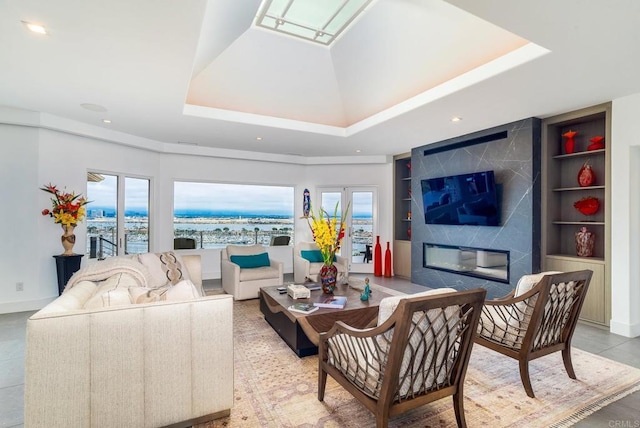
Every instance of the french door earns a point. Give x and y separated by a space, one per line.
361 222
118 215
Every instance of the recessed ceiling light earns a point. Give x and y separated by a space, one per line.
259 138
456 119
358 151
106 121
93 107
35 28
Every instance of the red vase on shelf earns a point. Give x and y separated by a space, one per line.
586 177
387 262
377 258
597 143
570 143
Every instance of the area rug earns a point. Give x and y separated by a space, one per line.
275 388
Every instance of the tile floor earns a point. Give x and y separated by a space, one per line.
623 413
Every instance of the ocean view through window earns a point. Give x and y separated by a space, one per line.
219 214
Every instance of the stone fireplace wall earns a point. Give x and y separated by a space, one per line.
512 151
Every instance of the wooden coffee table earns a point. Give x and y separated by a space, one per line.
301 331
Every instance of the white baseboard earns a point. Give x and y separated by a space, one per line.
25 305
627 330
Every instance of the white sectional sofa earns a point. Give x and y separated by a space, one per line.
155 364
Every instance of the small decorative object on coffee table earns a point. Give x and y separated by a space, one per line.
585 241
569 144
364 296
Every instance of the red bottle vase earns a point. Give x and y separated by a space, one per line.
387 262
570 143
377 258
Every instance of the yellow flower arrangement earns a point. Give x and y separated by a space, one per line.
328 232
68 208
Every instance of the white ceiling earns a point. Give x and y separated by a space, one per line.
198 71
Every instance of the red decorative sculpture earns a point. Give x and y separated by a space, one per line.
596 143
588 205
586 177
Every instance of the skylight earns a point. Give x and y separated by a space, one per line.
317 21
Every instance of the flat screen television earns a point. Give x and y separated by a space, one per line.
465 199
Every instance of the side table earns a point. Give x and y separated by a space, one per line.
65 267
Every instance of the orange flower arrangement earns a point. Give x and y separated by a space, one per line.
68 208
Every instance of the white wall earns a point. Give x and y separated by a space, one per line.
625 215
32 156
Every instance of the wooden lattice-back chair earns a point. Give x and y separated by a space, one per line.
536 319
418 353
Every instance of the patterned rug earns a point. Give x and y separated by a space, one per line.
275 388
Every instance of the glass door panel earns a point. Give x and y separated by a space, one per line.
360 223
136 215
102 215
361 228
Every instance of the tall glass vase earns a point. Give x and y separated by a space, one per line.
328 275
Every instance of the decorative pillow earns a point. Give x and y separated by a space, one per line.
164 268
251 261
314 256
184 290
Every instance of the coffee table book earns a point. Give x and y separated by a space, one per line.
331 301
303 308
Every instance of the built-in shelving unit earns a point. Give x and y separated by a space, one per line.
560 190
402 215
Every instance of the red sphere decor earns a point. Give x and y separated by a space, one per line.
588 206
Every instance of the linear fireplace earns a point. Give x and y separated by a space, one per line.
470 261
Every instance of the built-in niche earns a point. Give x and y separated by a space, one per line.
512 152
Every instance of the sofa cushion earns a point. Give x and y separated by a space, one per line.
251 261
164 268
527 282
259 273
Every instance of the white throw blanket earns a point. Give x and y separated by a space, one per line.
102 270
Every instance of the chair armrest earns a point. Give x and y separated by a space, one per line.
301 268
230 272
279 265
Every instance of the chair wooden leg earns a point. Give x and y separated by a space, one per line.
524 375
568 365
458 407
322 383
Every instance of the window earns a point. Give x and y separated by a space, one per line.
218 214
117 216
